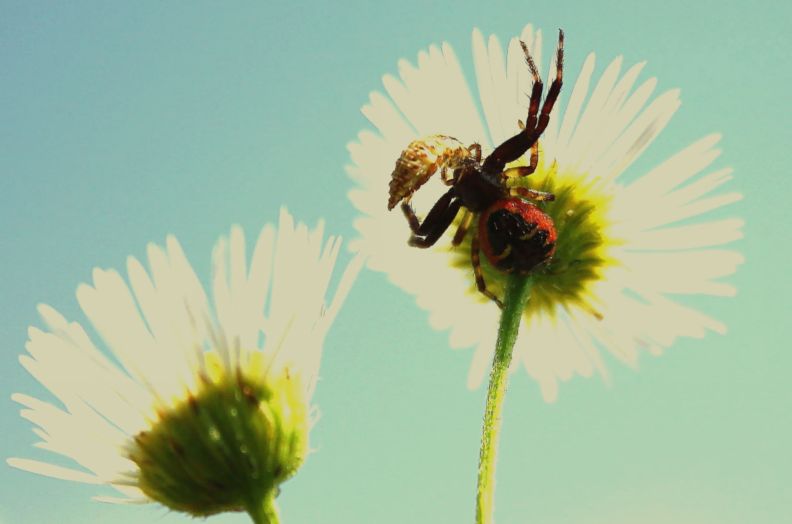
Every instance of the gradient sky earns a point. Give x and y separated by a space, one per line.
120 124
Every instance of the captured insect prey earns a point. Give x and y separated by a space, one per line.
515 235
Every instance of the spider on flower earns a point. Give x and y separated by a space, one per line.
515 235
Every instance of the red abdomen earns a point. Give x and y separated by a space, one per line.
516 236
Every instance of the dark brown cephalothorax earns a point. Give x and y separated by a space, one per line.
515 235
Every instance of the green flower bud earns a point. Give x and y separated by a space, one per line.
228 446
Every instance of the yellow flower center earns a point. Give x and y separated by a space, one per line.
579 212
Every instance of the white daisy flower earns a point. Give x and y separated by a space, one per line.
207 408
624 247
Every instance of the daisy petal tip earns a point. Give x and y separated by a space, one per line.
97 274
616 62
52 471
84 293
236 232
728 291
134 266
32 333
713 138
153 251
117 500
285 220
606 378
171 242
475 376
715 326
549 390
389 82
19 398
50 315
374 96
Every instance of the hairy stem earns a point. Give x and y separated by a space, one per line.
264 512
517 291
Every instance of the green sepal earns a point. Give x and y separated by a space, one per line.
227 446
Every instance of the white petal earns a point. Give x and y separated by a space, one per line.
50 470
119 500
691 236
684 272
572 113
678 168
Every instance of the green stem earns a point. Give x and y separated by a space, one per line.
517 291
264 512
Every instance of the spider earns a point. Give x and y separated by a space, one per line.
515 235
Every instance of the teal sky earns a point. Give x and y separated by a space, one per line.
120 124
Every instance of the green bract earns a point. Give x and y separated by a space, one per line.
226 447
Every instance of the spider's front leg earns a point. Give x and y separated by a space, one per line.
523 171
459 236
427 233
480 283
533 194
537 120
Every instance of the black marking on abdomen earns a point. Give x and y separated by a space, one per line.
529 246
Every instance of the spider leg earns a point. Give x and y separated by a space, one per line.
461 231
523 171
518 171
516 146
426 233
436 215
409 214
476 150
555 87
440 227
533 194
509 151
421 229
537 121
534 158
536 90
537 124
480 284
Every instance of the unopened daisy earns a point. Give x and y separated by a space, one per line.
209 409
625 247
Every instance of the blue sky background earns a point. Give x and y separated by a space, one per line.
122 123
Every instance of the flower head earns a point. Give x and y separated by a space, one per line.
624 246
209 409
